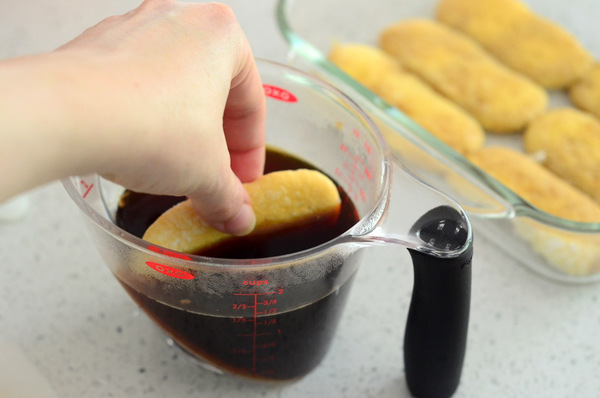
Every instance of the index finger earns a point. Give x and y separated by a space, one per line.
244 123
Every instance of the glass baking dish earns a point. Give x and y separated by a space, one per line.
556 248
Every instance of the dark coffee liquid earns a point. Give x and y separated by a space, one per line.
278 347
265 342
136 212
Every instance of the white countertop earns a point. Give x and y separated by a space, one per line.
59 304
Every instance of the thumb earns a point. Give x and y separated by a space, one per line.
226 206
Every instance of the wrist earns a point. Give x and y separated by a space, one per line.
46 111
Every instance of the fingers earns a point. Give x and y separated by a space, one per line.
244 122
226 206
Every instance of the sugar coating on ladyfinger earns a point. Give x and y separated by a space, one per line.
366 64
568 141
585 93
534 183
572 253
502 100
521 39
279 199
378 71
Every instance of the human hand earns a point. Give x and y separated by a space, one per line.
165 99
194 103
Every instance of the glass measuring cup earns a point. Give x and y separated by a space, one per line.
274 318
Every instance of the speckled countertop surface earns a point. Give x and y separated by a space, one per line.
59 304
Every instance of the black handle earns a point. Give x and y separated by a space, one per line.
436 330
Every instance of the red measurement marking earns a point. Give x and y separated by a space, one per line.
357 159
256 283
267 312
88 188
254 332
352 172
169 271
261 328
356 133
363 195
254 294
168 252
279 93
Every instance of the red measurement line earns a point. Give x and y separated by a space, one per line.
254 319
254 337
264 323
253 294
88 191
265 312
254 334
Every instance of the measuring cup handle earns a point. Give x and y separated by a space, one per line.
436 329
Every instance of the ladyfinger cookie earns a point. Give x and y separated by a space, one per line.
568 140
534 183
572 253
503 101
520 38
365 63
585 93
371 67
279 199
434 113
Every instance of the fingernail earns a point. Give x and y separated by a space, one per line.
243 223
